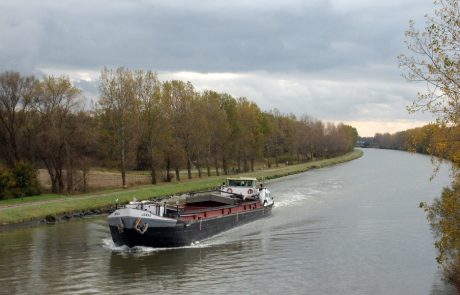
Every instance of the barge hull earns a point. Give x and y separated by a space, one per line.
185 233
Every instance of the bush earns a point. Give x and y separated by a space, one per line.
444 217
26 181
6 183
18 182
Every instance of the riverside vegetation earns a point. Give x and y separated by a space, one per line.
435 60
141 123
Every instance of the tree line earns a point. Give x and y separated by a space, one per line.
432 139
139 122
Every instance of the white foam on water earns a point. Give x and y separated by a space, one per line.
295 196
291 200
109 244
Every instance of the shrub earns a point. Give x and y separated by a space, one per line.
444 217
26 182
18 182
6 183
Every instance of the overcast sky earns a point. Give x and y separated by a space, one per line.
333 60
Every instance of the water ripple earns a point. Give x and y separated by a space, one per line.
349 229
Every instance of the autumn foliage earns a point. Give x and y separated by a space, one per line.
435 60
139 122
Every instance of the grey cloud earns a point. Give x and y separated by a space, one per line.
226 36
339 54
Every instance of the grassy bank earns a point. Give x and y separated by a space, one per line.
36 208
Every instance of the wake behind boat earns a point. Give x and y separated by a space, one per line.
200 215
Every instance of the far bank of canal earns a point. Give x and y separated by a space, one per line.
31 211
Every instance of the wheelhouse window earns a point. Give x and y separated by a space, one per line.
242 183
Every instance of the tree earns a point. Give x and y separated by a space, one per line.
85 146
249 145
118 102
179 98
200 133
229 105
435 60
273 146
17 95
169 144
217 126
444 216
148 90
55 107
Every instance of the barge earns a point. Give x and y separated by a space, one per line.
198 216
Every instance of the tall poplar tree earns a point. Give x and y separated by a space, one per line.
148 90
17 96
118 101
55 107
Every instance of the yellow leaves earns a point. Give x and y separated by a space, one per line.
435 61
456 157
436 140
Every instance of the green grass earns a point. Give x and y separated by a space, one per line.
38 207
32 199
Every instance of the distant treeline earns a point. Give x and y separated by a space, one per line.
432 139
141 123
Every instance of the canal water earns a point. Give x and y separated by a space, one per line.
354 228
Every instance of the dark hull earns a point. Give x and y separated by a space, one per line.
184 234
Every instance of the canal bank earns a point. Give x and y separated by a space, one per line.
33 212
